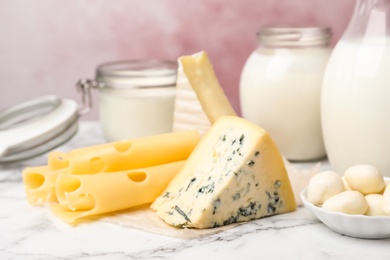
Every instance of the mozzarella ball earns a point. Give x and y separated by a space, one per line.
349 202
364 178
375 205
346 185
324 185
386 200
384 188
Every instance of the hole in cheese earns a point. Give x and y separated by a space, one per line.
68 184
97 164
137 176
123 146
84 202
34 180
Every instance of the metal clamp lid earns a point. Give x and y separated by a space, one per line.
84 86
36 126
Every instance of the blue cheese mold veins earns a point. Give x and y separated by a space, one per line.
230 183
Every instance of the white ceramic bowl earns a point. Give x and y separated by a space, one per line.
360 226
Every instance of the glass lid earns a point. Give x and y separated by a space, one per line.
35 127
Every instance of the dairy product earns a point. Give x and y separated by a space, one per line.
348 202
235 174
127 154
386 200
39 184
135 96
365 179
323 186
200 74
280 91
355 105
189 113
92 194
364 193
131 113
375 205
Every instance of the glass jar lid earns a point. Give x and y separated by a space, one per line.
294 36
35 127
136 74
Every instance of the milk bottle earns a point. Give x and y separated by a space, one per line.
355 102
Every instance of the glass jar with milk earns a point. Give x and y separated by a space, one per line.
355 103
280 88
136 97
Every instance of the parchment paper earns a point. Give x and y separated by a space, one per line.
143 218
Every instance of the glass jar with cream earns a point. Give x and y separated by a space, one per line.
280 88
136 98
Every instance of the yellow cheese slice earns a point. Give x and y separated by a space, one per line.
57 160
92 194
234 174
200 73
188 112
128 154
39 184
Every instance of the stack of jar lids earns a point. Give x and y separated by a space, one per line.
35 127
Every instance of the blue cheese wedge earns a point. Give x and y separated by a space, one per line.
235 174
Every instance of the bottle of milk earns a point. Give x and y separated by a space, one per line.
355 101
280 88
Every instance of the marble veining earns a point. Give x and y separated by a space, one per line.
28 232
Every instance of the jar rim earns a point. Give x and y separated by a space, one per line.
294 36
136 73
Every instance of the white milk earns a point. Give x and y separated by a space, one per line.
132 113
356 105
280 91
136 97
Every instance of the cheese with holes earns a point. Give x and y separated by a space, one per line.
92 194
188 112
128 154
234 174
57 160
39 184
199 94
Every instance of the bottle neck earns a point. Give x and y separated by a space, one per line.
371 18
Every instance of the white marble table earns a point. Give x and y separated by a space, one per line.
28 232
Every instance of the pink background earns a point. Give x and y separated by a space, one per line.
47 45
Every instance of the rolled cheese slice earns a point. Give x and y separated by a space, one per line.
39 184
204 82
92 194
57 160
188 113
128 154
